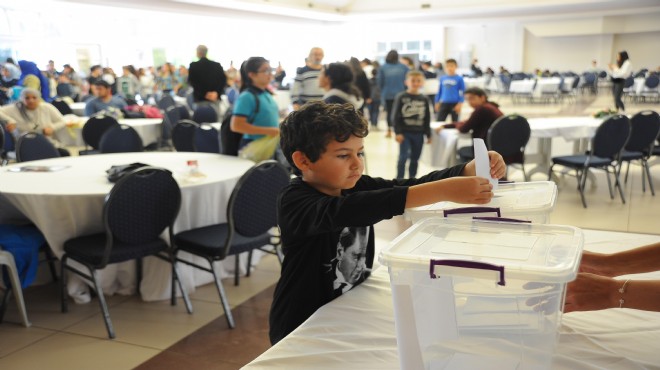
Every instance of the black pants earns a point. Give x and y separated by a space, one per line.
617 91
447 109
388 110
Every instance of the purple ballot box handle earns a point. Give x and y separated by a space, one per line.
468 210
503 219
468 265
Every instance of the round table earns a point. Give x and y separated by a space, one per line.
148 129
68 203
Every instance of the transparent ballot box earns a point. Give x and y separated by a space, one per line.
530 201
473 294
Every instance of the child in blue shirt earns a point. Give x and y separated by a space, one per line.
449 98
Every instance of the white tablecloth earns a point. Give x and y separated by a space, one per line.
69 203
356 331
148 128
442 151
78 108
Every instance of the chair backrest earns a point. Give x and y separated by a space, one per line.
509 135
589 78
95 127
62 106
165 102
652 82
172 116
611 137
252 208
602 74
184 113
2 141
121 139
645 127
33 147
190 100
206 139
183 135
629 82
205 114
141 205
576 83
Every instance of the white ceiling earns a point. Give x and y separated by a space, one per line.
396 10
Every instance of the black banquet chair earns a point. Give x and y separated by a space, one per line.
606 146
93 131
62 106
645 128
136 212
165 102
509 136
183 134
251 213
206 139
33 147
205 114
121 139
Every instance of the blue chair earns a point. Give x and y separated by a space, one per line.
121 139
590 81
33 147
183 136
205 114
165 102
206 139
137 210
184 113
251 213
645 128
93 131
651 88
610 139
172 116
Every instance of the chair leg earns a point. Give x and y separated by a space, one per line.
645 166
237 269
50 257
249 263
280 254
522 166
103 304
643 179
184 293
223 297
625 179
550 172
173 282
16 288
138 275
609 183
63 293
617 183
581 184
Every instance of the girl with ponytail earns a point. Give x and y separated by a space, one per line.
255 113
337 80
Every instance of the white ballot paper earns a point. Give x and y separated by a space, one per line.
481 161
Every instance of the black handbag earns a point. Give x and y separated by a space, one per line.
115 173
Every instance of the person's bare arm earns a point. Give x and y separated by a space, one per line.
634 261
242 126
590 292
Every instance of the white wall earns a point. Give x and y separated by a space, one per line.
494 45
564 53
643 48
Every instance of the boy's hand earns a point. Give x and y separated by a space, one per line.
399 138
497 166
468 190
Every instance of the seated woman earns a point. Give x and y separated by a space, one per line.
483 116
31 114
337 80
596 289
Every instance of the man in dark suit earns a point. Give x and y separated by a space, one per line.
207 79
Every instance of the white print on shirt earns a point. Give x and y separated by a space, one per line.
350 264
413 111
449 82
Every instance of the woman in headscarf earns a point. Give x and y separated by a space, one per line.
30 114
32 77
10 76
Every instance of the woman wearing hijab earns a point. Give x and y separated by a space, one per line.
10 76
32 77
30 114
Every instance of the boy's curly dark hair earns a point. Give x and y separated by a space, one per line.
311 128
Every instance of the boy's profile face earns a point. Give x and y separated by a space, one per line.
414 84
338 168
451 68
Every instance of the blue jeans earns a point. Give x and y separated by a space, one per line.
374 112
410 148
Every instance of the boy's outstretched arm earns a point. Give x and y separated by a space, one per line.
468 189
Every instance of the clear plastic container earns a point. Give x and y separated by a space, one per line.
480 294
529 201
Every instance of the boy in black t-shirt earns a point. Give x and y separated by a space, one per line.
326 215
411 117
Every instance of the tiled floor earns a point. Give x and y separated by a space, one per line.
159 336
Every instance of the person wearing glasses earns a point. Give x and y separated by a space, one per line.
256 113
